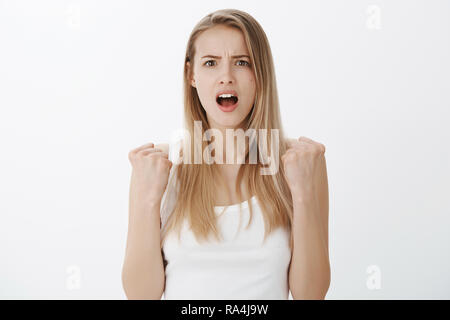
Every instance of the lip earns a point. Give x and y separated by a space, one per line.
227 91
228 108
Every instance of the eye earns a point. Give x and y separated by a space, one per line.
206 63
246 63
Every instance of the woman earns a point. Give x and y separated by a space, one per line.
229 83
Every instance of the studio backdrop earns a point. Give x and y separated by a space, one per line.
84 82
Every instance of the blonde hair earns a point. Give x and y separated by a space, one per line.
196 198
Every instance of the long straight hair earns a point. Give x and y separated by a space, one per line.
195 183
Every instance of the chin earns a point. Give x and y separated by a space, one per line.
228 124
224 120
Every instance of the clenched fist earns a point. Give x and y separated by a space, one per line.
150 174
303 165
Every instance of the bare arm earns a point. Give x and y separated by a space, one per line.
143 275
143 270
309 271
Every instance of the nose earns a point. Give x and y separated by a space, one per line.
226 75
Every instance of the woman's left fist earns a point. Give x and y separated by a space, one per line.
301 163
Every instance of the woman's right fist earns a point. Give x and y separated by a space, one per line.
150 174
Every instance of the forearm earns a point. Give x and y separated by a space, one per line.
309 272
143 270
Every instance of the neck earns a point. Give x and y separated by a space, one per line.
228 146
233 145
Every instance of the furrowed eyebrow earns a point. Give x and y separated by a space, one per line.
218 57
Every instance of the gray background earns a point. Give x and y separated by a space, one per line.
84 82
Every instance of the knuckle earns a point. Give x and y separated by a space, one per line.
291 155
138 154
131 156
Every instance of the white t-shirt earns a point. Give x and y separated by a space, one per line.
239 267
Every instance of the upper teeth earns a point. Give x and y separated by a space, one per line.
226 95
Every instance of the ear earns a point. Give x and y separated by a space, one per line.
190 74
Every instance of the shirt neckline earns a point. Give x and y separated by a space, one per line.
235 207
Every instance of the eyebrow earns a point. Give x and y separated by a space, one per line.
218 57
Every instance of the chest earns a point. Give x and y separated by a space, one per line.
226 190
241 266
242 243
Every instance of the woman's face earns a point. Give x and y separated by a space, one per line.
221 63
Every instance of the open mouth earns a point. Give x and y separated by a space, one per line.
226 100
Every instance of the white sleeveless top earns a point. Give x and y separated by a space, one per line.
239 267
